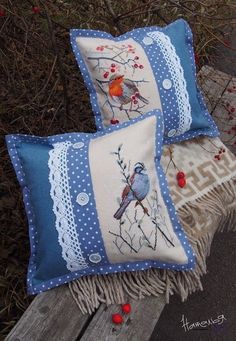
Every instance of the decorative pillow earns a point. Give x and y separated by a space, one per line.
144 69
98 203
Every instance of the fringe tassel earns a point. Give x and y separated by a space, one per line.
220 203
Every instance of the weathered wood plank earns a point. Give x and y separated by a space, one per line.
53 315
212 84
138 325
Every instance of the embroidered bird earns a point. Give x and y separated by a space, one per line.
124 90
137 190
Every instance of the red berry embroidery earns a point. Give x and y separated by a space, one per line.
113 70
135 65
141 66
180 175
117 319
113 65
113 121
126 308
182 182
106 74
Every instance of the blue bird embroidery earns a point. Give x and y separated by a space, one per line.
137 189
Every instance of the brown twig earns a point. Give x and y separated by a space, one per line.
114 16
59 62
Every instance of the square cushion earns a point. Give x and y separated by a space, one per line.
144 69
98 203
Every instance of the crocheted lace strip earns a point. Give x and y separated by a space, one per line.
62 207
177 75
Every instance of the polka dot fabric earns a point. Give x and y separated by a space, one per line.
180 36
47 267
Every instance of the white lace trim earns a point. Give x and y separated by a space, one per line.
62 207
177 75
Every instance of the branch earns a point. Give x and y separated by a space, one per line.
139 226
125 241
118 247
112 59
114 17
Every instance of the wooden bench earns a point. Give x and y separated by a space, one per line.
54 315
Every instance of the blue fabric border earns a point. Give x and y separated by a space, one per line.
212 131
14 140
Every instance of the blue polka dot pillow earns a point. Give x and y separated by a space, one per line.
144 69
98 203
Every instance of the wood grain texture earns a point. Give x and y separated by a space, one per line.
53 315
137 326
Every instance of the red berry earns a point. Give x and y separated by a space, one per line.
113 70
180 175
232 109
229 90
101 48
126 308
197 58
35 9
136 57
117 121
106 74
98 48
117 319
136 65
133 97
226 43
113 121
182 182
141 66
135 101
223 150
2 13
113 65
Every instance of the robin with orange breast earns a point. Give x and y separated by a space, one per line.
124 91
